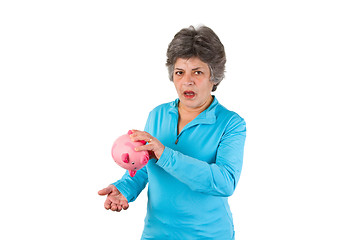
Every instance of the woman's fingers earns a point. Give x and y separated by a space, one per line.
140 136
125 206
105 191
143 136
116 207
147 147
153 145
155 148
107 204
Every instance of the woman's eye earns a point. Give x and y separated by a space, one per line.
178 73
198 72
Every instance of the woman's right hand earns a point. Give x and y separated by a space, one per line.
115 200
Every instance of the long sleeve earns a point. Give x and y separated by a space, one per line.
219 178
131 187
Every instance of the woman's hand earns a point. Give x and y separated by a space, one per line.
154 146
115 200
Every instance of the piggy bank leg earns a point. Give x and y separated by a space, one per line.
132 173
125 157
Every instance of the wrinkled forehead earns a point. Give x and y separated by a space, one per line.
190 63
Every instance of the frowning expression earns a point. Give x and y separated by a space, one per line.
192 82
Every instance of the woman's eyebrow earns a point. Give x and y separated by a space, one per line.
194 69
197 68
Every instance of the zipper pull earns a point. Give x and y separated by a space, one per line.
176 141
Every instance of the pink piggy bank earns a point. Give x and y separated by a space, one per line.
126 157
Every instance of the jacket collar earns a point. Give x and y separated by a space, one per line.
206 117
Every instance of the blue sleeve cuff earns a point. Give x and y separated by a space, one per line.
124 191
165 156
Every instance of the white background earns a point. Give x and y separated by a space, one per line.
77 74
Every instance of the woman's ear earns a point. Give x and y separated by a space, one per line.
214 87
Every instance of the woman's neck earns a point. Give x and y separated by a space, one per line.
190 113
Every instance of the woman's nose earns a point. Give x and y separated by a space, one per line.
188 79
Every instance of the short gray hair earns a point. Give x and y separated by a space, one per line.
199 42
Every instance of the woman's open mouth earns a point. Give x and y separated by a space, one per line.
189 94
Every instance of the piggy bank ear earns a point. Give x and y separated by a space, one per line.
145 159
132 173
125 157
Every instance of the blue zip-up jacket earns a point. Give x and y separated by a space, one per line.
189 185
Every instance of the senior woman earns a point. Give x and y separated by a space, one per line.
196 146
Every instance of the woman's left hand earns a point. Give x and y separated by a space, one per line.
154 146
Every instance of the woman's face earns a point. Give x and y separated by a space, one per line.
192 82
